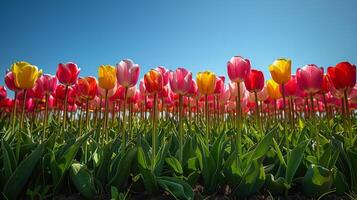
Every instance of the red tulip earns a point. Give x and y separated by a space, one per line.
255 81
325 84
48 83
127 73
3 93
290 88
238 69
180 81
310 78
10 81
193 89
87 87
67 73
343 76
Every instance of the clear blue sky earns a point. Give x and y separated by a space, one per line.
196 34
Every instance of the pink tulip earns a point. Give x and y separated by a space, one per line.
310 78
10 81
67 73
219 85
48 83
180 81
127 73
238 69
263 94
3 93
193 89
164 73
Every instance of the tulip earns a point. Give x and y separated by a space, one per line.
127 73
291 87
353 95
254 84
154 83
87 89
164 73
273 89
25 76
206 82
67 73
280 70
310 78
3 93
180 83
219 86
10 81
107 77
107 80
255 81
238 69
343 78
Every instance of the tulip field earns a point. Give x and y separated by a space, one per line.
175 135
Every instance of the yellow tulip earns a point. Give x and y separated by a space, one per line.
206 82
25 74
280 70
107 77
273 89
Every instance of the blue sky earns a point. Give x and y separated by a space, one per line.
196 34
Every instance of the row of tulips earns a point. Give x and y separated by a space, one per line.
111 108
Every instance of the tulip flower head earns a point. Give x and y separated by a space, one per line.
164 73
25 74
255 81
107 77
67 73
10 81
48 83
219 86
206 82
238 69
180 81
342 76
280 70
153 81
87 87
127 73
3 93
310 78
273 89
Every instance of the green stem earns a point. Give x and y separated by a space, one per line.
154 136
106 116
65 108
23 109
46 117
181 126
14 113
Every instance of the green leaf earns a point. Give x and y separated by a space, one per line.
83 180
9 160
340 182
174 164
123 169
19 178
294 159
262 147
177 188
317 180
65 161
276 186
